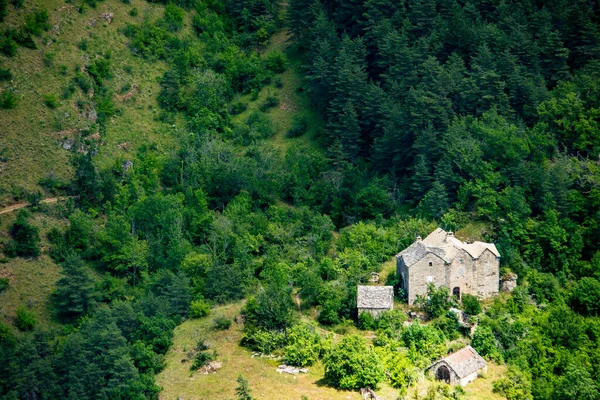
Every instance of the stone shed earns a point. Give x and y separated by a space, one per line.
375 299
459 368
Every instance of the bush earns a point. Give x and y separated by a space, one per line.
25 319
173 17
585 298
51 101
8 100
37 22
8 46
221 323
471 304
270 102
299 127
199 309
4 282
5 74
26 236
436 302
352 365
366 321
263 341
275 62
203 358
304 346
485 343
238 108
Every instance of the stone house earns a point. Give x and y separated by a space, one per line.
459 368
374 299
442 259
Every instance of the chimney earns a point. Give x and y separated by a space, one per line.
419 238
449 234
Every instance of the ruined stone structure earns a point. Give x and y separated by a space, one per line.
442 259
459 368
375 299
508 282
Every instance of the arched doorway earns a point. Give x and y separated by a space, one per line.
443 374
456 292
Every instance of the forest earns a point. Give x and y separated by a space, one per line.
421 114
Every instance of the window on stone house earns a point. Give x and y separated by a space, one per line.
430 264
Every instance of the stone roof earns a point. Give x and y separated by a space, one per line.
464 362
444 245
375 297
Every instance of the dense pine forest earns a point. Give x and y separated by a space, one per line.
480 117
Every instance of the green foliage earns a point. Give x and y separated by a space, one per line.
74 294
585 297
222 323
26 320
425 343
263 341
436 302
37 22
366 321
471 304
26 236
276 62
299 126
4 283
199 309
173 17
5 74
485 343
351 365
242 390
202 358
270 102
517 386
8 100
303 346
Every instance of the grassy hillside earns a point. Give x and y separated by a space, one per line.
179 382
33 133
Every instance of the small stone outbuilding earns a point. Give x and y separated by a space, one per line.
459 368
375 299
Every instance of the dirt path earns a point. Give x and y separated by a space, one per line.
18 206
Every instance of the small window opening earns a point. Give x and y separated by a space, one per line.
430 264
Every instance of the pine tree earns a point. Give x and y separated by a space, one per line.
347 130
26 236
242 390
74 294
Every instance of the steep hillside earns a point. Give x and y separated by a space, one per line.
53 115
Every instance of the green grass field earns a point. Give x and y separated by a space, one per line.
31 134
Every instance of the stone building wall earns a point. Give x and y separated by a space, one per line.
430 268
488 278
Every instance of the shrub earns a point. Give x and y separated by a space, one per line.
304 346
133 12
51 101
263 341
278 82
275 62
221 323
270 102
4 284
37 22
8 46
199 309
436 302
299 127
471 304
173 17
352 365
25 319
366 321
8 100
485 343
5 74
203 358
26 236
238 108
